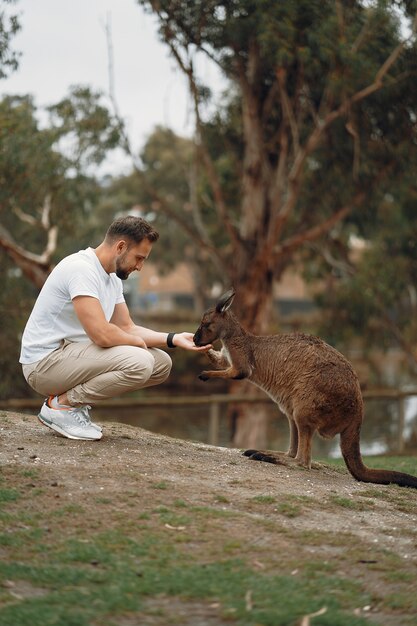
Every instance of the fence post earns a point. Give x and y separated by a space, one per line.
401 423
214 423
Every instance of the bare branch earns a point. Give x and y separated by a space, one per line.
363 33
50 245
198 220
25 217
352 130
292 243
344 267
21 255
313 141
287 108
46 212
35 266
269 101
380 75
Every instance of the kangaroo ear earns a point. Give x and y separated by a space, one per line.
225 301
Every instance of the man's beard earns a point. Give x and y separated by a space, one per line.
121 272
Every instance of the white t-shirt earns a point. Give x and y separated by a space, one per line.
53 317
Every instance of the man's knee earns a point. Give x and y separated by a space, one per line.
163 365
137 364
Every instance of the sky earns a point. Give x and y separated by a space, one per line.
63 43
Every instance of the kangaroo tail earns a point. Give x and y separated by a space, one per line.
349 444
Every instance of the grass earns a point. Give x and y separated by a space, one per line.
123 558
407 464
60 572
8 495
288 505
101 579
397 496
264 499
348 503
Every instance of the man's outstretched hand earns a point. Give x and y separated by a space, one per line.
186 341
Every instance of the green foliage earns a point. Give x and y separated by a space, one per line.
34 164
9 26
377 299
86 125
16 299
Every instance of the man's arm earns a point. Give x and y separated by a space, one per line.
153 339
101 332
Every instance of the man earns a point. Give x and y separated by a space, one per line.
80 344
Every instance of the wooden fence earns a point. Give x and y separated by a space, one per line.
215 401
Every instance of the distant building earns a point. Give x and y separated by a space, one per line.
149 291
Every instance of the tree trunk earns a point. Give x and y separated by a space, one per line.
250 421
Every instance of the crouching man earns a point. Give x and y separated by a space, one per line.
80 344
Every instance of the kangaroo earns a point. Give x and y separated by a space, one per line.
313 384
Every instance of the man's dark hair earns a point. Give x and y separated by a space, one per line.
134 228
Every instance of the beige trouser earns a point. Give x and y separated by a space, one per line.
89 373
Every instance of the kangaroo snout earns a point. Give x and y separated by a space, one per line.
197 338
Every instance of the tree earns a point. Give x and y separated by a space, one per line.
372 295
315 88
47 174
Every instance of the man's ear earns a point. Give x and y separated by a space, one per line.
121 246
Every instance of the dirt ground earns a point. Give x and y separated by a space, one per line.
132 460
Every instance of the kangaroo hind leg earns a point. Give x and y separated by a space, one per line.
293 445
305 438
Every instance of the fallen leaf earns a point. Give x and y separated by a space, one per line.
174 527
305 621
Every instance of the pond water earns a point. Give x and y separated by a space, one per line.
379 432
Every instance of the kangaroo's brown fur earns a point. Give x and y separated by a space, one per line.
313 384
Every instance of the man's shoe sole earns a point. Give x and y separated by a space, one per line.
63 432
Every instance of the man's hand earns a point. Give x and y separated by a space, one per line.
185 340
141 343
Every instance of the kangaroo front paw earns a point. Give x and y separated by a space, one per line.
203 376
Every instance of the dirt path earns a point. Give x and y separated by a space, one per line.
154 470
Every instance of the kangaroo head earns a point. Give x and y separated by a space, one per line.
214 322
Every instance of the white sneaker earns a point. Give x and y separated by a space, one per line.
52 404
85 411
73 423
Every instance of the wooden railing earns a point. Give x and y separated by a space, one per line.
215 401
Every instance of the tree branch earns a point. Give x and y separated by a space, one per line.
344 267
36 267
292 243
287 108
313 141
